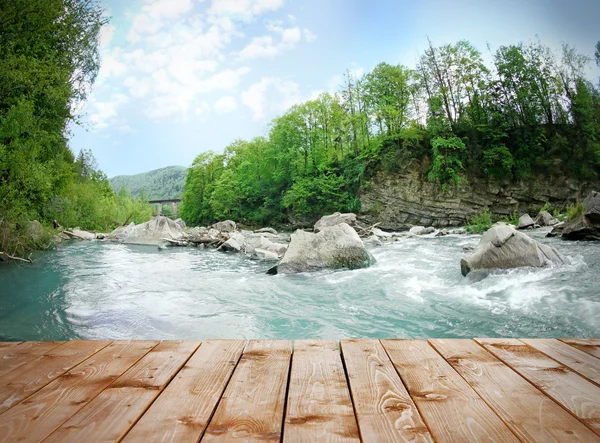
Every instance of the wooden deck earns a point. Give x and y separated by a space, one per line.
502 390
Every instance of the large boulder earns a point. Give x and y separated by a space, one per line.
587 225
544 218
181 223
153 232
224 226
525 221
333 247
503 247
591 205
235 243
335 219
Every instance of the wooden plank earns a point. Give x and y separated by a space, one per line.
251 408
576 394
589 346
384 409
34 375
183 410
453 411
38 416
530 414
8 344
16 356
319 407
579 361
110 415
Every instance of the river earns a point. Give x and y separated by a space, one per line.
96 290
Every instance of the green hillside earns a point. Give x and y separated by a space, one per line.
164 183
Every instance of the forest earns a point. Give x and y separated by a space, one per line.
49 59
531 112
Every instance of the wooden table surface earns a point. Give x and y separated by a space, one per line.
488 389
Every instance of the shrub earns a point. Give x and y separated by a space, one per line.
481 222
573 211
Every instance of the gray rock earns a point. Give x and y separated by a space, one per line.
267 245
236 243
266 230
333 247
372 241
525 221
180 223
153 232
557 230
503 247
442 233
335 219
84 235
591 205
262 254
421 230
460 231
225 226
581 229
543 219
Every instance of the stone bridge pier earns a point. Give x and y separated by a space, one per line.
159 204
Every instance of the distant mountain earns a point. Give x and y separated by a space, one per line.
160 184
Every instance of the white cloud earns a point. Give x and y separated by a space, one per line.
225 105
309 36
266 46
271 95
104 113
245 9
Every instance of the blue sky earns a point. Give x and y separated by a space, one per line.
180 77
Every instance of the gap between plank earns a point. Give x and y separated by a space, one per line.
341 350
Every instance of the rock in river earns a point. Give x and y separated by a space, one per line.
335 219
333 247
503 247
153 232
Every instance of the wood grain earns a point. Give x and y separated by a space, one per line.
15 356
453 411
183 410
589 346
579 361
532 416
251 408
109 416
384 409
7 344
37 373
576 394
319 407
35 418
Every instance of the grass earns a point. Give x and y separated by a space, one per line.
480 223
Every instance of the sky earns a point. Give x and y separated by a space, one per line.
181 77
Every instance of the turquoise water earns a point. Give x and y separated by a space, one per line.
110 291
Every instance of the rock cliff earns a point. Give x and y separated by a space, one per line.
400 200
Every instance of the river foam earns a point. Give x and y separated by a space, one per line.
102 290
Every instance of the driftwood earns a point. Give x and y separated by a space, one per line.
172 242
365 232
12 257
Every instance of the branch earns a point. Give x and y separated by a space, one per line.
12 257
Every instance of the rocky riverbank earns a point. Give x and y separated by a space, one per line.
404 199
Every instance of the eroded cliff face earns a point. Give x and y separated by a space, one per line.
399 200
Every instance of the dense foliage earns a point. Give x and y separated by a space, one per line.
160 184
48 62
532 112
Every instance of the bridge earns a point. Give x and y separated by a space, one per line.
159 204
